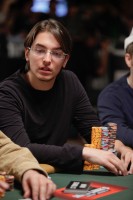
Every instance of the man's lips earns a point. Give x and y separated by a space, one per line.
44 70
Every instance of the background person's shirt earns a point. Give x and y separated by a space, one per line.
115 104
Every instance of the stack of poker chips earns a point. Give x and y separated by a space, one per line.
104 138
112 127
96 135
88 165
101 138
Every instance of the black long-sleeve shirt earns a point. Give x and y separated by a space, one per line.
41 120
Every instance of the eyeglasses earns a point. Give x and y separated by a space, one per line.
41 53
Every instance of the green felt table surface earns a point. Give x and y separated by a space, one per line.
62 179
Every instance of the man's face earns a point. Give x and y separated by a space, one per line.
45 58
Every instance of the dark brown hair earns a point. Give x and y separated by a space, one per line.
129 49
56 29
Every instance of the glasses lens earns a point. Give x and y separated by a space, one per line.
39 52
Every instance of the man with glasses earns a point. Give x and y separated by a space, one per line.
40 103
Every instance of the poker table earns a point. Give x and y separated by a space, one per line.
103 176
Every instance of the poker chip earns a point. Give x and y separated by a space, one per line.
2 178
112 135
96 135
87 165
102 138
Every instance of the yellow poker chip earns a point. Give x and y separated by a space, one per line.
2 178
96 135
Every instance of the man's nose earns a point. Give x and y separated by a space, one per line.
47 57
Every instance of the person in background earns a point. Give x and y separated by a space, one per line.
43 102
20 163
115 104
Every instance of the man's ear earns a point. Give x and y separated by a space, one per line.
66 60
27 54
128 60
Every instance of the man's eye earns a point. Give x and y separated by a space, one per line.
40 51
58 54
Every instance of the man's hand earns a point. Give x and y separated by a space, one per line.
106 159
37 186
126 155
3 187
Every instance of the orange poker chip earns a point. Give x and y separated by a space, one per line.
2 178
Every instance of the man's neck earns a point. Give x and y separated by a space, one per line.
130 81
38 84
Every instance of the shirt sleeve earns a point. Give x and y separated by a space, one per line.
16 160
85 115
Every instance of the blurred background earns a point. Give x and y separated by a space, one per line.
98 29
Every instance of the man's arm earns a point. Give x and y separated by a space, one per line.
11 154
21 163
